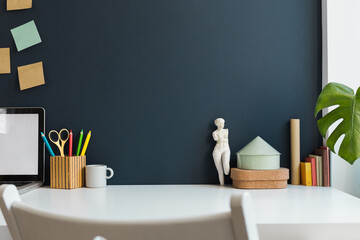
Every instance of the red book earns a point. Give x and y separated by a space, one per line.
324 153
313 169
70 143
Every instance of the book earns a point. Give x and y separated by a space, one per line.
328 160
305 170
325 165
319 170
313 169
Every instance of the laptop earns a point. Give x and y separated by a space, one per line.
22 151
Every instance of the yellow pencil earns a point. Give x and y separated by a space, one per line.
86 144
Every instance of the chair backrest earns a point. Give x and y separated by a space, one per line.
243 217
8 196
25 222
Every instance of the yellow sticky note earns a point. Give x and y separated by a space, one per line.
18 4
31 75
5 60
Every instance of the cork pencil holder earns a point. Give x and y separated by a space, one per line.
67 172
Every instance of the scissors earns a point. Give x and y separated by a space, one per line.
60 142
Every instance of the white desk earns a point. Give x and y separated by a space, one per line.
297 212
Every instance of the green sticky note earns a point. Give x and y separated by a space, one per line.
26 35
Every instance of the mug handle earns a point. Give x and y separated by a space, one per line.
111 173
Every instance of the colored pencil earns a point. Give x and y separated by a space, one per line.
47 144
86 143
70 142
80 142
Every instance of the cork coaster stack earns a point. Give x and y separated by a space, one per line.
258 167
260 179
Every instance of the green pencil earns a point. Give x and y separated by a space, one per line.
79 144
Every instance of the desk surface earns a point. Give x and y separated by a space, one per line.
280 214
296 204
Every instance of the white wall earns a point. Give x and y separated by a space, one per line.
341 63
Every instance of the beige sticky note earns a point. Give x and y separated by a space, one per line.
31 75
5 60
18 4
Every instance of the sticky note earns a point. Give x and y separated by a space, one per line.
31 75
26 36
5 60
18 4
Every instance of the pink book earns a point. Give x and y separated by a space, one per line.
313 169
324 153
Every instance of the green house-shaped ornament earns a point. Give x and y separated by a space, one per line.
258 155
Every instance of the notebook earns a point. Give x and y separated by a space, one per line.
22 151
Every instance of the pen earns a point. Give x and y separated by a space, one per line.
86 143
47 144
79 144
70 143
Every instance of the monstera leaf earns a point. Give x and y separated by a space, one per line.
349 111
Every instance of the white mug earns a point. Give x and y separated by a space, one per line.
95 175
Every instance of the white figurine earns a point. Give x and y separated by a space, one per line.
221 153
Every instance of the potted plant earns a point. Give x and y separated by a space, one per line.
349 111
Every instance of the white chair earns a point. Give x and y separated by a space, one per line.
25 222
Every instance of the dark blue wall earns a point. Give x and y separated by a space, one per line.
148 77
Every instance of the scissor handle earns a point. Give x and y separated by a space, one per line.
59 134
67 136
54 131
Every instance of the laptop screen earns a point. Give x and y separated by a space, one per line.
21 147
19 144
